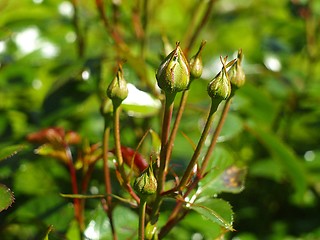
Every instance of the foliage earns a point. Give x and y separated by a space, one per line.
57 59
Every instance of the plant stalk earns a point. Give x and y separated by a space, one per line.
187 174
142 217
215 136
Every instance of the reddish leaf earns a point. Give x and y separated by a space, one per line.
129 154
54 135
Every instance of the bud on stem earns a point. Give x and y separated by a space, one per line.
220 88
118 90
196 65
236 73
173 73
146 183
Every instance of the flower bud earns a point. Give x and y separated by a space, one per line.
173 73
220 88
236 73
146 183
118 90
195 63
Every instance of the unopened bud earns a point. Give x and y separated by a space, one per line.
236 73
173 73
220 88
118 90
146 183
196 65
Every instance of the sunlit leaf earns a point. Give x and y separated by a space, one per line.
6 197
9 151
230 180
139 103
215 210
98 227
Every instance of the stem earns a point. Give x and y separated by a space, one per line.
113 33
124 183
187 174
177 214
174 131
164 140
80 38
116 124
169 100
142 216
107 181
200 26
215 136
77 204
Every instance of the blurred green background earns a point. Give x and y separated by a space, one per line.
56 62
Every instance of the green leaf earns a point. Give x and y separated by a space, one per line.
215 210
218 177
139 103
125 220
230 180
287 158
156 141
33 179
10 151
232 127
6 197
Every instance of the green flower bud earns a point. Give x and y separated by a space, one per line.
236 73
220 88
196 65
146 183
173 73
118 90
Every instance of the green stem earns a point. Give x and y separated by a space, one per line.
169 101
164 140
215 136
116 125
200 26
142 217
187 174
176 124
107 181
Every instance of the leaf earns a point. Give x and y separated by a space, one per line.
215 210
139 103
6 197
232 127
10 151
286 157
98 228
230 180
156 142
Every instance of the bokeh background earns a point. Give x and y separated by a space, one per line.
56 59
